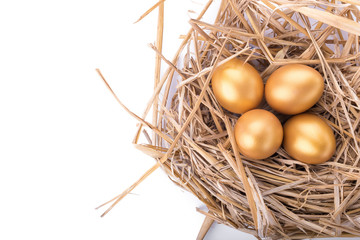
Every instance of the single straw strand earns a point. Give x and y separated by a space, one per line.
159 44
150 10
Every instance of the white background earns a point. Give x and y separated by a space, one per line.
65 144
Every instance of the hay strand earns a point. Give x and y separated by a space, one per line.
205 228
159 44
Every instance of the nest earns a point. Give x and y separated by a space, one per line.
278 197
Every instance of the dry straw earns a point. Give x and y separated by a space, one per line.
278 197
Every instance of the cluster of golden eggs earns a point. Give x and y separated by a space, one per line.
291 90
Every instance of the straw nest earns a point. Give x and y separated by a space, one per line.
278 197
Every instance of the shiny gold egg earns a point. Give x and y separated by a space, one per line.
309 139
294 88
237 86
258 134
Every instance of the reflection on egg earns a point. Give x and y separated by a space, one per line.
293 88
237 86
258 134
309 139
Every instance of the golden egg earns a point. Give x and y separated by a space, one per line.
309 139
258 134
237 86
294 88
